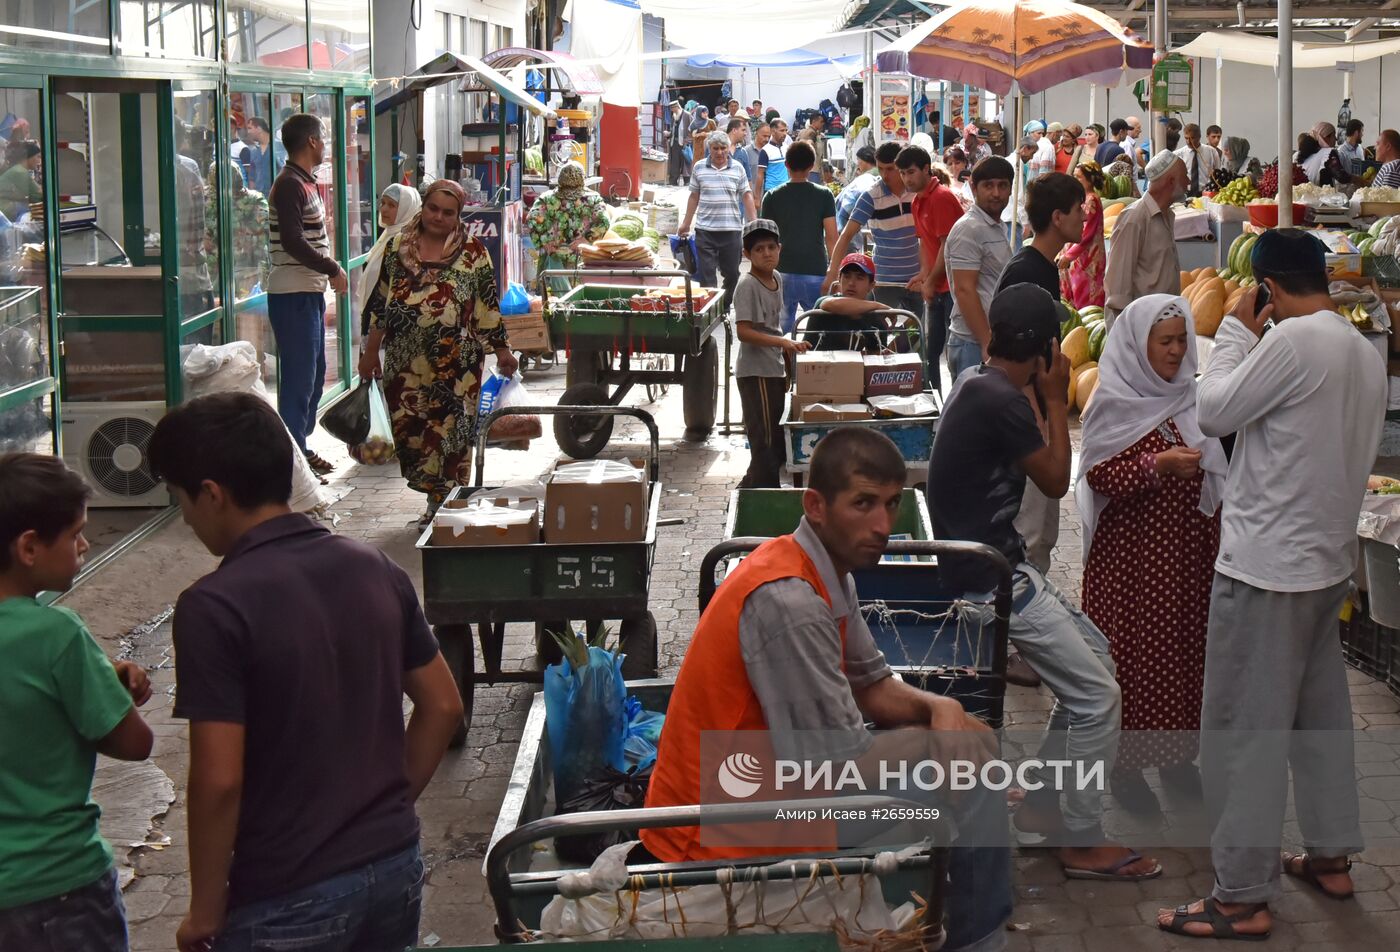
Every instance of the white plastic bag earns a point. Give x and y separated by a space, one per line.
378 447
215 369
596 905
514 432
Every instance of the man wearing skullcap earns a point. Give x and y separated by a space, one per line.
1142 256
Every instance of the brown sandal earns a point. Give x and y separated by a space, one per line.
1309 873
1222 926
319 465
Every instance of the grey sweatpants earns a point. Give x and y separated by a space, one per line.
1275 696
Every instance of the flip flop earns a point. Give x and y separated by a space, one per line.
1221 925
1308 874
1113 873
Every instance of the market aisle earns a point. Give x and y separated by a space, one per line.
458 810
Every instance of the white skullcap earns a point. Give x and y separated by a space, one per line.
1160 165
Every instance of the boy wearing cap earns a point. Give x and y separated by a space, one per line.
760 368
987 445
848 321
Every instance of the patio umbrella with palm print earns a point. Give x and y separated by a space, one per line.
1036 44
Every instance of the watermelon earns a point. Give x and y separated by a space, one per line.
1097 336
1070 322
1122 186
1375 231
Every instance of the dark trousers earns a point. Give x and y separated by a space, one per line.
89 917
677 170
720 252
299 324
762 402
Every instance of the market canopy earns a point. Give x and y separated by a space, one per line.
1035 44
1263 50
575 77
786 58
448 66
743 27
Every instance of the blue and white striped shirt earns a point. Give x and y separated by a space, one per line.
891 221
721 192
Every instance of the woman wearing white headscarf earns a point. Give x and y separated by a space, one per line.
1149 491
397 206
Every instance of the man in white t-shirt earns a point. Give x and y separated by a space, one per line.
1307 399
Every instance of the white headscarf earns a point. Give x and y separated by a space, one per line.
409 203
1132 399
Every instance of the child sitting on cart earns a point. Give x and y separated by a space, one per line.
761 369
848 321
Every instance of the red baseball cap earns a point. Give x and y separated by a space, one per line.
858 260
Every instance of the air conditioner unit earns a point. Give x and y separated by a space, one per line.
106 444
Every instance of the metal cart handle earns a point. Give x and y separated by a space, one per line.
574 824
611 273
484 430
918 329
1001 604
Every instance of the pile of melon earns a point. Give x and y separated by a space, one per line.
1212 295
1082 346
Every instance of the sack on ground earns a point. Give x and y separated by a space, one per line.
223 367
348 420
377 447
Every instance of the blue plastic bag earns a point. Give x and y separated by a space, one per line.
686 253
515 300
585 719
642 736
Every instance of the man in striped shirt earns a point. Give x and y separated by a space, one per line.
889 210
719 189
302 267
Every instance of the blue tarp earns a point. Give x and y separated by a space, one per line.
797 57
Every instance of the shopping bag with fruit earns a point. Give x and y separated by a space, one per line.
378 445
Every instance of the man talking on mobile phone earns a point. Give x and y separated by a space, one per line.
1308 401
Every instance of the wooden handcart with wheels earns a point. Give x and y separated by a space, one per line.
552 585
613 345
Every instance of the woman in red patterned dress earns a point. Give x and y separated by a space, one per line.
1149 488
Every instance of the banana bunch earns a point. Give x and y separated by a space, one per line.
1355 304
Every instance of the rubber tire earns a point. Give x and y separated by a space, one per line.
460 654
638 640
583 366
546 650
585 438
700 382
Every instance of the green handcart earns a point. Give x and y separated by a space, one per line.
602 333
551 585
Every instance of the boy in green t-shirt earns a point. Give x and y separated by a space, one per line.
61 703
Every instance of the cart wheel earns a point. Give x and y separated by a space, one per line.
700 383
584 366
455 642
546 649
583 436
638 638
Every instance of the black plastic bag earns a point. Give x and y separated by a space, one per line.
605 789
348 420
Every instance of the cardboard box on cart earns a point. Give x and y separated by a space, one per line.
596 501
830 373
896 375
489 520
826 411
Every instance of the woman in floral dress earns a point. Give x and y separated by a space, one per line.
1082 264
436 313
563 218
1149 490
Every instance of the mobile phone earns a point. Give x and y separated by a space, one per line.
1261 299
